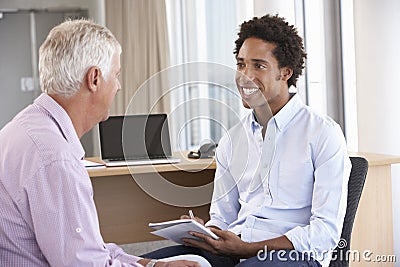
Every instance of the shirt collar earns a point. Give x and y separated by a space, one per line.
286 114
254 124
63 121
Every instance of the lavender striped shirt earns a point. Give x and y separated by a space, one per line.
47 213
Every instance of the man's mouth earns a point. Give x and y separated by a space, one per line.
249 91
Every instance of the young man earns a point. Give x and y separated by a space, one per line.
47 213
281 177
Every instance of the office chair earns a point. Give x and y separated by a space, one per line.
355 186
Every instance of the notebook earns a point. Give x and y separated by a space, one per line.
135 140
177 229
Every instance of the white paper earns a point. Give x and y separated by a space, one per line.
92 165
178 229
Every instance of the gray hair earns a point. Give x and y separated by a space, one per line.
68 52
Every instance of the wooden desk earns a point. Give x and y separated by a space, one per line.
373 225
125 209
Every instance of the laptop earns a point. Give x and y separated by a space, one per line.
135 140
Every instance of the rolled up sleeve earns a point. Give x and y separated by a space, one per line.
225 202
329 201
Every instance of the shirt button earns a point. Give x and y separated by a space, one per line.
78 230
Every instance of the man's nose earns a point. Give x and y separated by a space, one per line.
246 75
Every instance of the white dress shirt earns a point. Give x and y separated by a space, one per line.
293 182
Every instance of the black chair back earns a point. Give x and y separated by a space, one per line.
357 177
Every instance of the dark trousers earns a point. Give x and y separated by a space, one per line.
284 258
214 260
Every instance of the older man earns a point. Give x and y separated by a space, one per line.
47 213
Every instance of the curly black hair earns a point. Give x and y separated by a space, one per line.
289 50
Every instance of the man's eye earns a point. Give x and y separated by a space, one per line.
239 65
259 66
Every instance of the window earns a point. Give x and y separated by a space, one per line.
349 74
205 31
202 35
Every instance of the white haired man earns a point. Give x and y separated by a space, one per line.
47 213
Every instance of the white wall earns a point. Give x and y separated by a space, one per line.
38 4
377 39
15 25
95 7
284 8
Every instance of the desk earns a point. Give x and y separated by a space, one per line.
373 225
125 210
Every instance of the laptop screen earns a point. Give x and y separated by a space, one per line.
144 137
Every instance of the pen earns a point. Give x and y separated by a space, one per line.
191 214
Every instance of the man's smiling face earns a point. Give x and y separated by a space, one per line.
259 79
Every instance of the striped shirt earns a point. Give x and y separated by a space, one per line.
47 212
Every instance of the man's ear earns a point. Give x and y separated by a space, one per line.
286 73
93 78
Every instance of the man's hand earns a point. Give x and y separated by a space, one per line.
197 219
228 243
